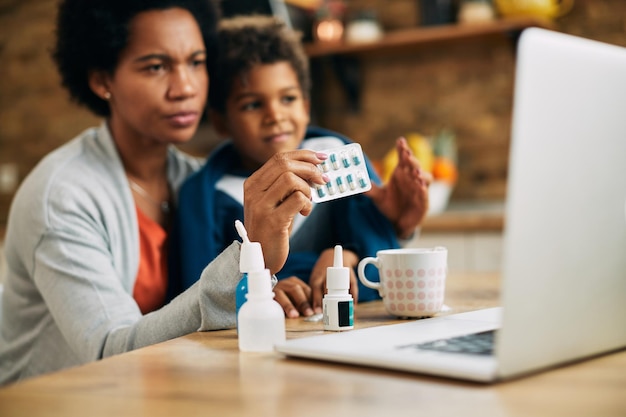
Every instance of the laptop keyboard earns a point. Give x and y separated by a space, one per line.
476 343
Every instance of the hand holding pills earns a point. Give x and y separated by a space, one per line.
274 194
347 172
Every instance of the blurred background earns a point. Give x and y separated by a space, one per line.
381 69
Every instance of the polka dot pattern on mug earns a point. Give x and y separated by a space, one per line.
413 292
411 280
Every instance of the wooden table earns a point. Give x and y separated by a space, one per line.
203 374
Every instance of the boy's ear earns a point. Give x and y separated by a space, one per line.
100 84
219 123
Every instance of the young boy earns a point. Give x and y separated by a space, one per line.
259 98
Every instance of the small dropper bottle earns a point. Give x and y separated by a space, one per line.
261 319
250 259
338 305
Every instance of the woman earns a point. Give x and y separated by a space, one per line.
86 241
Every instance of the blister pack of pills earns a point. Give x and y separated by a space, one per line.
347 171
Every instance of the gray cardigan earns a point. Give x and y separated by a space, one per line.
72 250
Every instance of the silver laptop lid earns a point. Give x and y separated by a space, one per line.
564 289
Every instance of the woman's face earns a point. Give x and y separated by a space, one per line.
159 89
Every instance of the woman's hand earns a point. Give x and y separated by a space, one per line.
404 199
274 194
318 276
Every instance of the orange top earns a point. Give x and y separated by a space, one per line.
151 284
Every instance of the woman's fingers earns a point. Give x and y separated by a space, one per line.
274 194
302 163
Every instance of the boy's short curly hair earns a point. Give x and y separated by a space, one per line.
246 41
91 34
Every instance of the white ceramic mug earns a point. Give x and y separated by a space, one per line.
412 281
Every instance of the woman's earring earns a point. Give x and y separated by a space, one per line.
107 95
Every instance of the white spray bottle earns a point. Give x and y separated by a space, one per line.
250 259
260 319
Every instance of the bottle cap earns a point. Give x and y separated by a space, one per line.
251 257
338 276
251 254
259 283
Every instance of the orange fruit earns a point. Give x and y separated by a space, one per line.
444 170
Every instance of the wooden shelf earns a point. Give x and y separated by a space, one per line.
467 216
425 35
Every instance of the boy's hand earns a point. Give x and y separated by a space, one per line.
318 276
294 295
404 199
274 194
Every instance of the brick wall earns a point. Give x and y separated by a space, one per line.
466 86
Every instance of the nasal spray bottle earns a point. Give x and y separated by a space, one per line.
260 320
250 259
338 306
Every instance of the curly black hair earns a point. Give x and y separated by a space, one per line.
91 34
246 41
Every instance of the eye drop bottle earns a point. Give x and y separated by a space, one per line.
338 305
261 319
250 259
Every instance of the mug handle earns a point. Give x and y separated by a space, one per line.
361 272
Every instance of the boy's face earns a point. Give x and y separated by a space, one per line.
266 113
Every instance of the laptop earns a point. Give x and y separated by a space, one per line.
563 290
